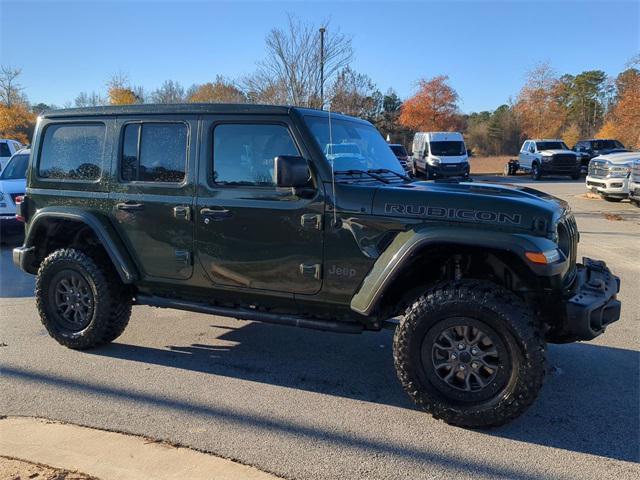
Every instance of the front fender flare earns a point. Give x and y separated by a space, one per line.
100 226
406 245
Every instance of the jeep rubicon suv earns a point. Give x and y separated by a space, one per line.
255 212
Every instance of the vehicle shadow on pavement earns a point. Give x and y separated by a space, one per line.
13 282
589 403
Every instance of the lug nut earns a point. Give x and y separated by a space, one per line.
474 351
461 346
454 356
474 365
462 367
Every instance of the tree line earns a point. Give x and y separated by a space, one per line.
549 105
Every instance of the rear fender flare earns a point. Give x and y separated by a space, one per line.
103 230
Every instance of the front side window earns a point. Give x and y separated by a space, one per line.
72 152
154 152
243 154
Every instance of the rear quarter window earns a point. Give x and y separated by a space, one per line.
72 152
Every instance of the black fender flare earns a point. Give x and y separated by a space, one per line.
100 226
408 244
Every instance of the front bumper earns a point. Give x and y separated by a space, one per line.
449 170
611 186
593 304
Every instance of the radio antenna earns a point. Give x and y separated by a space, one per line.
333 176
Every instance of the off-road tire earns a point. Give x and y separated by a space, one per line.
111 305
507 316
536 173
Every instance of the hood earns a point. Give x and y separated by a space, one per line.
509 206
557 151
13 186
620 157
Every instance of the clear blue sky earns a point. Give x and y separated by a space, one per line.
486 48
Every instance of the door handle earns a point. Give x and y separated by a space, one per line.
129 206
215 214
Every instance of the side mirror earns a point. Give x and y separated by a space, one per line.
290 171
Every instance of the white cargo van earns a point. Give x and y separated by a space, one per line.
439 154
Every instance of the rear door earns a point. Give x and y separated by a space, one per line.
250 234
152 193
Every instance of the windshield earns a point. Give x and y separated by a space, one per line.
606 144
398 150
551 146
353 145
16 168
447 149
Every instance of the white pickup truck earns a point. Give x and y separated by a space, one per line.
548 157
7 149
609 175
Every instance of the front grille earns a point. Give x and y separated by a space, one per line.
635 172
598 168
568 238
564 160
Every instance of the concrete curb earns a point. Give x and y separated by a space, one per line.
113 456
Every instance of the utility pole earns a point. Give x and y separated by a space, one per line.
322 30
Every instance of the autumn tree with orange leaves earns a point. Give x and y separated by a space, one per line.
540 108
433 107
623 121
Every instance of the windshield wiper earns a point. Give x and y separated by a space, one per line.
371 173
386 170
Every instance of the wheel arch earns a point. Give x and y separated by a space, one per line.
415 259
54 227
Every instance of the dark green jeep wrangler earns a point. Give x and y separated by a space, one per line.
299 217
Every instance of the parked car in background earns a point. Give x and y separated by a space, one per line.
609 175
588 149
401 154
12 185
634 183
439 154
548 157
8 147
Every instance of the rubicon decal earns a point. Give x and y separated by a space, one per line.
424 211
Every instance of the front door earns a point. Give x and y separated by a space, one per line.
152 194
249 233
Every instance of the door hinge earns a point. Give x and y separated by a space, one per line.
183 256
311 221
311 270
182 212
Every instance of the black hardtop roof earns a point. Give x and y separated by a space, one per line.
598 140
188 109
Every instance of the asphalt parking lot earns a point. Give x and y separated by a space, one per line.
312 405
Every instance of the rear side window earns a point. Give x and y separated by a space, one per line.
4 150
154 152
72 151
243 154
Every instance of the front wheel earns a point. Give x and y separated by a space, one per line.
470 353
536 173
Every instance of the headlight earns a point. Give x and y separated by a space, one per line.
547 158
434 161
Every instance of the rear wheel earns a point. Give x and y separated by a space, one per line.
470 353
82 302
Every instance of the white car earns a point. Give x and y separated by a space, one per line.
13 183
634 183
439 154
7 149
609 175
548 157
